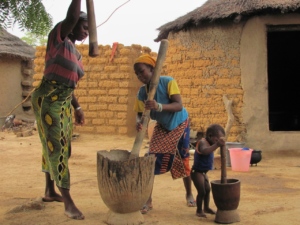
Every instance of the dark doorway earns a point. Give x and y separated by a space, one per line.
283 43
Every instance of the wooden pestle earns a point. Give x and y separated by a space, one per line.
223 165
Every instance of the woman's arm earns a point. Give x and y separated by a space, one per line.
71 19
174 106
78 112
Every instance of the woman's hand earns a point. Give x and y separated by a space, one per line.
151 104
79 117
139 126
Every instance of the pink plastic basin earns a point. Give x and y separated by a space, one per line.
240 159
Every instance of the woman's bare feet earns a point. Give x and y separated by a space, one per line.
209 211
146 208
74 213
190 201
53 198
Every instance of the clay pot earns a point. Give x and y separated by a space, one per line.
255 157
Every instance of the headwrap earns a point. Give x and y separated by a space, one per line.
83 16
147 59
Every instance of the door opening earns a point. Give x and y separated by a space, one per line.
283 43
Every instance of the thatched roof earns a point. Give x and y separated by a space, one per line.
13 47
219 10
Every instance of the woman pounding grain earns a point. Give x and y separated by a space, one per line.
52 103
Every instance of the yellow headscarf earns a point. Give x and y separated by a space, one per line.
147 59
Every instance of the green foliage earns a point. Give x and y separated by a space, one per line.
34 40
30 15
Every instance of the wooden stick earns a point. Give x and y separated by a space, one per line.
93 40
230 120
223 165
152 90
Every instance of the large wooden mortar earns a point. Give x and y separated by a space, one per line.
124 184
125 180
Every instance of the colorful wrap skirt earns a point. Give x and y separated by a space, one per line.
52 107
170 148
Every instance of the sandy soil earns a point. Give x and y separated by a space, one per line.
269 191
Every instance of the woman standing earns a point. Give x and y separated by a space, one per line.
53 100
170 140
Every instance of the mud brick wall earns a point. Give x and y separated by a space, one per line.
206 65
107 91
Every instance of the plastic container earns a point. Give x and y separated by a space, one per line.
240 159
232 145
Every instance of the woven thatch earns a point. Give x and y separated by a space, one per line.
14 47
217 10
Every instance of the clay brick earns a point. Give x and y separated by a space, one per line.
36 83
38 76
87 99
125 84
117 107
185 82
125 51
117 122
119 75
98 121
123 60
202 63
108 99
126 68
236 72
123 92
185 91
98 107
108 84
96 92
80 92
110 68
89 114
123 130
106 114
123 100
84 128
121 115
106 129
113 92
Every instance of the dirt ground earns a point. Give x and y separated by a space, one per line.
269 191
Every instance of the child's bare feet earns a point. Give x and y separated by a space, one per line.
209 211
53 198
74 213
201 214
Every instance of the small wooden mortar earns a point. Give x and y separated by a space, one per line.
226 194
125 180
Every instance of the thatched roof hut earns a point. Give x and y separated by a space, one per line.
235 10
12 46
247 50
16 65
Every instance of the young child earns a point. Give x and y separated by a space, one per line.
203 162
170 139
